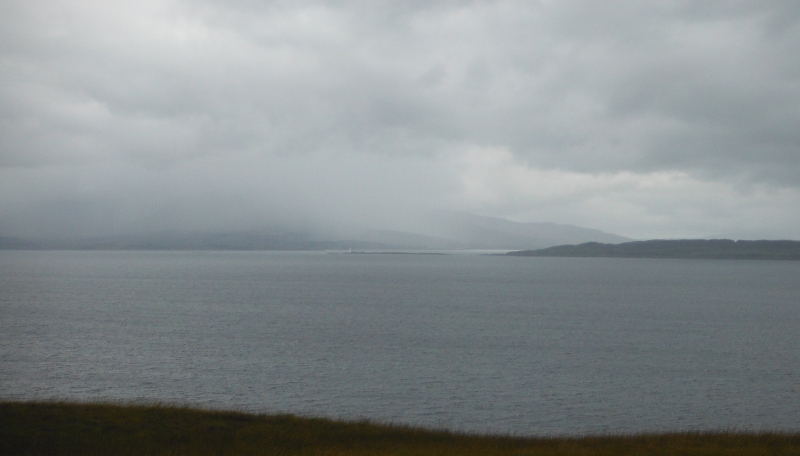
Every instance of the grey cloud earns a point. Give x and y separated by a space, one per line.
707 88
540 80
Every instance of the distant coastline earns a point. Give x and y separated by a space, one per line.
387 252
726 249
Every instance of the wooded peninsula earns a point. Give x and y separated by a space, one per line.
726 249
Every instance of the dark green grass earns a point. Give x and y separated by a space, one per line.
108 429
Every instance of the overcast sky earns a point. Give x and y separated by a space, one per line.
641 118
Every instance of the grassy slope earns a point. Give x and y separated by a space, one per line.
101 429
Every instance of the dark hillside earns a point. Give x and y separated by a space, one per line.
679 248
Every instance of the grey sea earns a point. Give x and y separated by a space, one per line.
535 346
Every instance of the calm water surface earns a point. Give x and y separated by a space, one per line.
469 342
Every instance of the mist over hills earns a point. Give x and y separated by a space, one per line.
442 231
497 233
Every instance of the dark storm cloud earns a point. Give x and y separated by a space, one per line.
704 91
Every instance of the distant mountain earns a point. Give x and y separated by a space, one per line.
480 232
682 248
443 231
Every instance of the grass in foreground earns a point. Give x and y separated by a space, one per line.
105 429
